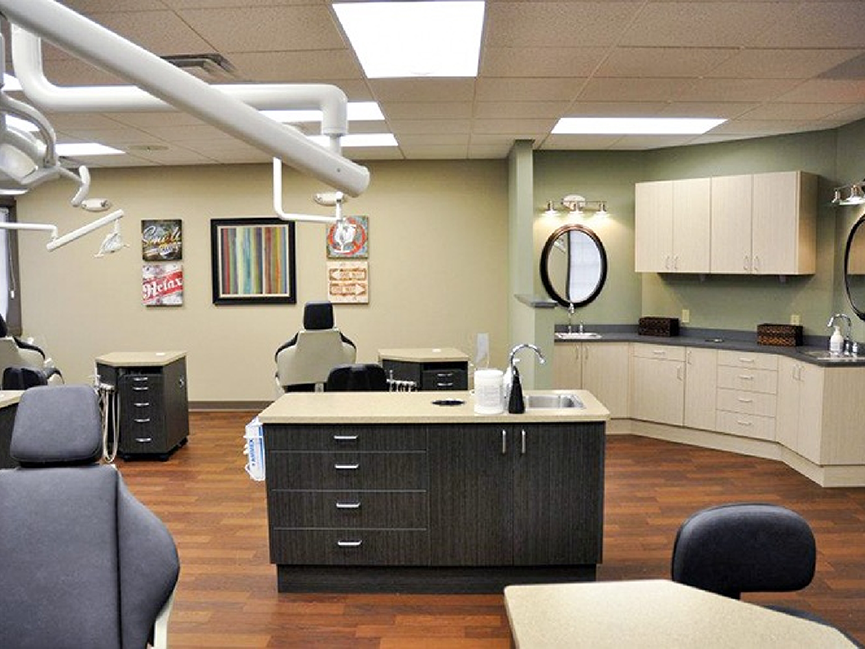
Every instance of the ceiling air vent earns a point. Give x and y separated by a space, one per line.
209 66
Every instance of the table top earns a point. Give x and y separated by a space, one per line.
139 359
652 613
423 354
415 408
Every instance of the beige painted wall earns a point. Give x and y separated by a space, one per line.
438 269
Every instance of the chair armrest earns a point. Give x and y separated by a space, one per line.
160 627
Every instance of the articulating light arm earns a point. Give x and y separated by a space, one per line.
59 241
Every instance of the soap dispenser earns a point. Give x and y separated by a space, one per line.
836 341
516 403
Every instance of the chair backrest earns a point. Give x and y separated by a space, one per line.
744 547
357 377
11 355
82 562
22 378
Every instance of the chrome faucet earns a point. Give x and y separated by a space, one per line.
570 316
848 337
516 403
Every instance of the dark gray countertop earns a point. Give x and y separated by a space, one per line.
733 340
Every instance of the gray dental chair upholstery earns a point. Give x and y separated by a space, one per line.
82 562
15 352
305 361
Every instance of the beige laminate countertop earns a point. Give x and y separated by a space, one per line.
414 408
650 614
423 354
10 397
139 359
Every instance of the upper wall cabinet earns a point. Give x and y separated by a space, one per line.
760 224
673 226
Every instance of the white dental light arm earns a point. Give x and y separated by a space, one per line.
277 201
109 51
84 229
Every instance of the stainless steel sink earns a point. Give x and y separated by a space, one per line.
553 401
825 355
576 335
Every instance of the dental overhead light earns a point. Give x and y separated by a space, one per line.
577 205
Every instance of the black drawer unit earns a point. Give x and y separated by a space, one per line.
429 375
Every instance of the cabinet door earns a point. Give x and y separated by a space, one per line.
471 495
653 227
558 494
606 374
731 224
658 390
701 382
691 225
810 436
567 372
784 223
787 416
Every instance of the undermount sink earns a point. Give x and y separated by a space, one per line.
825 355
553 401
576 335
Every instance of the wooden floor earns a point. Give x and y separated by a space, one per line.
227 592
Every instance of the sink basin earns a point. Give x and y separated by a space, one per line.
576 335
553 401
825 355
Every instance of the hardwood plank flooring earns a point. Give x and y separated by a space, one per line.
227 592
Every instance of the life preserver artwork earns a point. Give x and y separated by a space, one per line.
349 239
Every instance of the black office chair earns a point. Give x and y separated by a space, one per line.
356 377
82 562
746 548
303 363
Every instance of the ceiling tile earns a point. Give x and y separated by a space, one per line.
645 142
716 109
173 35
520 109
449 139
417 126
540 61
435 152
518 128
662 61
826 90
295 67
578 142
633 89
500 89
615 109
421 110
793 112
736 90
780 64
427 90
817 24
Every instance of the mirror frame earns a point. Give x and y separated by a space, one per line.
847 249
545 253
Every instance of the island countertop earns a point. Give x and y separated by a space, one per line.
415 408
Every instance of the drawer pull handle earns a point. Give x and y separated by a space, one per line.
522 442
746 360
504 442
349 544
442 384
355 505
144 440
146 420
659 352
743 423
345 438
139 379
744 400
746 377
136 388
142 404
346 467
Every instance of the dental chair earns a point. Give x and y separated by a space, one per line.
15 352
82 562
357 377
304 362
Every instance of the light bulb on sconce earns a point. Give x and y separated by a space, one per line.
576 205
854 194
551 210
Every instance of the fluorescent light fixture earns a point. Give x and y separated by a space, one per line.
358 111
414 39
73 149
635 125
10 83
359 139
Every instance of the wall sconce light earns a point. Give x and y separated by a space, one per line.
852 194
578 205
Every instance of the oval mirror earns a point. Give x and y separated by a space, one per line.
573 265
854 268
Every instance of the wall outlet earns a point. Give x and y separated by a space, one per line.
686 316
794 319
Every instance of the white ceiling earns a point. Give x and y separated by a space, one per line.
768 67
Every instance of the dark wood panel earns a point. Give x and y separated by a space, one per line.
343 438
350 547
346 471
349 509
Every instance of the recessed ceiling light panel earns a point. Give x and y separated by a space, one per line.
74 149
414 39
635 125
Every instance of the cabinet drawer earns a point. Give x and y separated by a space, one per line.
753 426
348 509
349 547
346 471
748 380
444 380
662 352
749 403
747 360
343 438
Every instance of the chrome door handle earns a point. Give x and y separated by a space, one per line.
504 442
522 442
349 544
345 438
346 467
354 505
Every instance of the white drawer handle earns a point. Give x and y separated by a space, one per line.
346 467
660 352
144 440
355 505
345 438
746 377
142 404
146 420
747 360
349 544
743 423
744 400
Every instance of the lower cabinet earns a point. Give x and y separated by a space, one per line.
800 407
658 390
701 384
599 367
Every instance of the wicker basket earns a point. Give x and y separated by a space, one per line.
780 335
654 326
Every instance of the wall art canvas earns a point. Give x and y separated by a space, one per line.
161 240
162 284
348 282
253 261
349 239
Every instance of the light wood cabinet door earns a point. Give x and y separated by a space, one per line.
691 225
701 383
658 390
653 227
783 223
606 374
799 420
567 366
731 224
